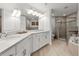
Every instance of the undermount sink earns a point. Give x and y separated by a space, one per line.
14 36
10 36
22 32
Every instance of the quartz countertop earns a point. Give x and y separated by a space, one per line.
11 40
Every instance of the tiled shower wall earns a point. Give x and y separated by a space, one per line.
66 26
71 22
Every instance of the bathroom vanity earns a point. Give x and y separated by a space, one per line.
24 44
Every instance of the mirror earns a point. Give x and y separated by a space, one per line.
29 21
18 18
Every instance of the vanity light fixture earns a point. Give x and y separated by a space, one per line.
29 11
34 13
40 15
16 13
37 14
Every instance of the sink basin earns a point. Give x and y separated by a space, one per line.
13 36
22 32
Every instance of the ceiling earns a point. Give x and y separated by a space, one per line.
59 9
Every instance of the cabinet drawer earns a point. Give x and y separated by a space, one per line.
9 52
44 39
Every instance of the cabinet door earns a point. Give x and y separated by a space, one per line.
24 48
28 45
36 42
21 50
44 39
9 52
47 37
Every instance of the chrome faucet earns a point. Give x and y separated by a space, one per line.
3 35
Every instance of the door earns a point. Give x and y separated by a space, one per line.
61 28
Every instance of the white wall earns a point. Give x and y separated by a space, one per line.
10 24
23 23
52 24
44 22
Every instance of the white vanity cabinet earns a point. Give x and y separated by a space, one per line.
9 52
20 48
36 42
44 38
24 48
40 40
28 45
